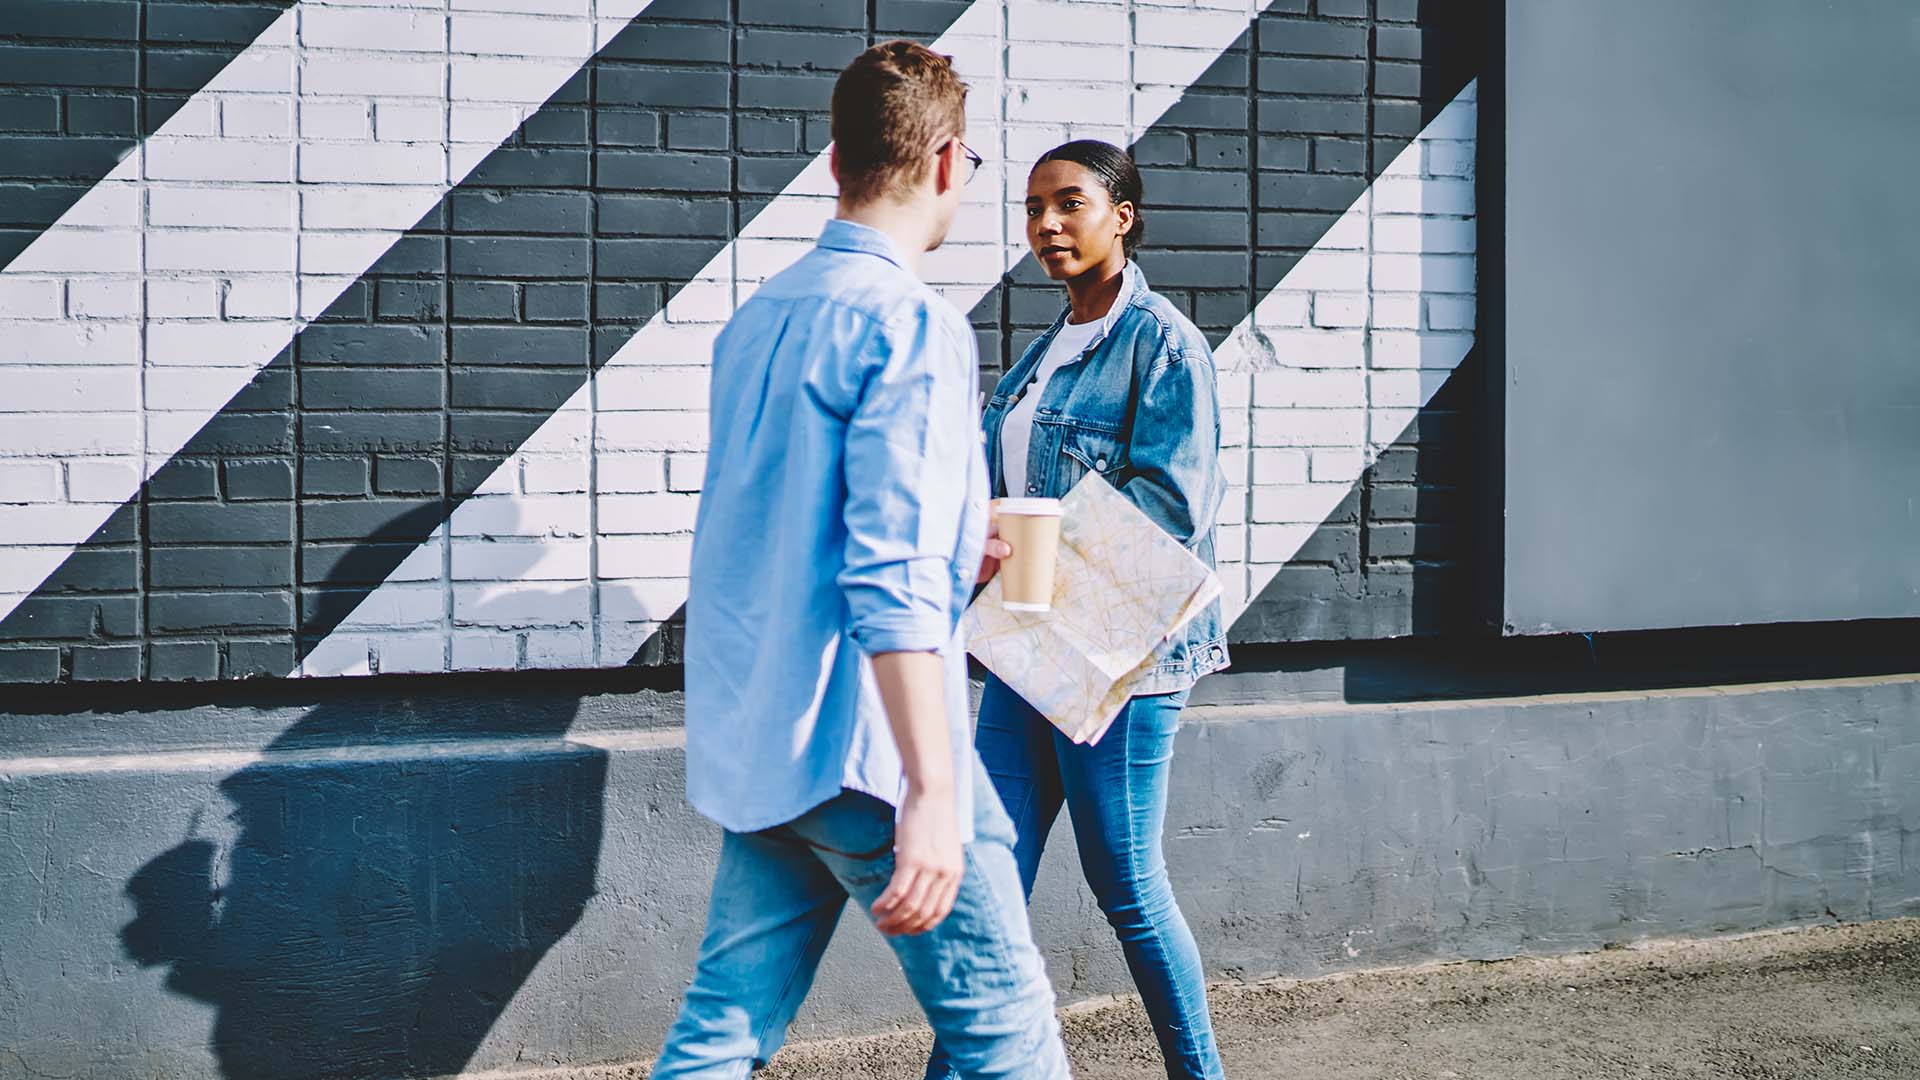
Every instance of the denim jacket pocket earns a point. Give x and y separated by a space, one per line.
1088 451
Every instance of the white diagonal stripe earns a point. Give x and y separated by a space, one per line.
226 189
641 423
1334 363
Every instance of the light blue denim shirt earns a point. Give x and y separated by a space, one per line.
843 515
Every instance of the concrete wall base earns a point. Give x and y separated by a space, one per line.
443 881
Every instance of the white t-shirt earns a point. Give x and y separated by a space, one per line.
1016 431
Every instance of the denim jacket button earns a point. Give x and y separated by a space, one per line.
1031 488
1101 464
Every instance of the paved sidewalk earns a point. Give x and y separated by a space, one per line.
1802 1005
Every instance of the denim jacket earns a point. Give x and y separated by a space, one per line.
1140 407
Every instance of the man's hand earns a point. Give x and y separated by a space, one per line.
995 550
927 866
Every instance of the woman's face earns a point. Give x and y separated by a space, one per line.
1073 225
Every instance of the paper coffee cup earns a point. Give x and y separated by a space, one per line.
1032 528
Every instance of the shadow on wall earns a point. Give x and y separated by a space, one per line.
373 918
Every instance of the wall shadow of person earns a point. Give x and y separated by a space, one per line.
379 896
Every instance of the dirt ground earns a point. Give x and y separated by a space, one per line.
1799 1005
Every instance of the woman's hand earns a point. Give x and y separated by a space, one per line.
995 549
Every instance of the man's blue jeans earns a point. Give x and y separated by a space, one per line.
1116 793
776 899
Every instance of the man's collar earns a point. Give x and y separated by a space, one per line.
843 235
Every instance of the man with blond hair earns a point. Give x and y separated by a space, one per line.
843 523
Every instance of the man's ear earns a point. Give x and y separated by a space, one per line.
833 162
1125 212
946 167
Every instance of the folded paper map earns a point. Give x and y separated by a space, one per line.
1122 587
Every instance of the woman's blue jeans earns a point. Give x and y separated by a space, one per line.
1116 794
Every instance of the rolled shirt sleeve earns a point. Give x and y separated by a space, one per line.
909 443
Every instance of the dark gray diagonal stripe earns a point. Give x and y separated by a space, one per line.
83 81
1295 120
345 453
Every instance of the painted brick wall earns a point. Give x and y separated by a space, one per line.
341 338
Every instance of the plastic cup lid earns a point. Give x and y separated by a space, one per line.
1031 507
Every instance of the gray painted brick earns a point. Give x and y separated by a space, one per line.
663 215
244 434
663 88
813 49
851 14
494 431
554 167
563 213
105 663
768 175
90 20
361 518
1220 151
923 19
1289 75
626 127
1313 117
1341 9
1307 37
1399 42
354 432
541 345
350 388
765 90
383 346
218 567
406 475
83 617
1339 156
361 562
489 300
557 127
1197 228
260 479
100 570
334 476
1309 191
520 257
1409 540
411 301
91 114
673 44
1398 80
653 258
41 157
1208 111
633 300
510 388
249 659
1336 545
186 479
556 302
29 112
230 609
38 664
218 24
228 523
1162 148
183 661
1193 187
1397 119
697 131
1194 269
767 134
641 170
1282 152
1397 10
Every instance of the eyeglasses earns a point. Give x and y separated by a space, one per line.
974 161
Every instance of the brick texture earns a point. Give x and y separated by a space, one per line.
481 308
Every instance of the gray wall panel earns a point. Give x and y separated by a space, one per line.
1713 356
